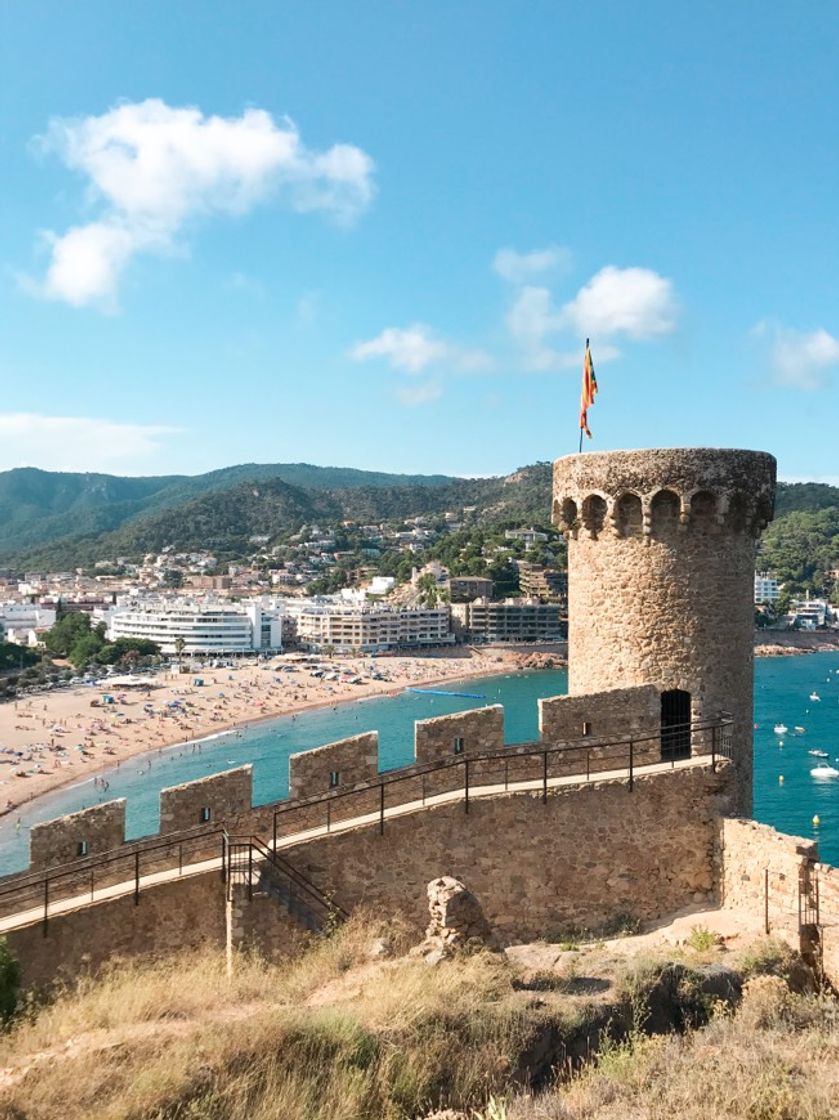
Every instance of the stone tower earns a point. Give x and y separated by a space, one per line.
661 554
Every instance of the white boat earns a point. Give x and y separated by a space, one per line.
819 754
824 772
815 696
800 730
781 729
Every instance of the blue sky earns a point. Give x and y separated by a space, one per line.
376 234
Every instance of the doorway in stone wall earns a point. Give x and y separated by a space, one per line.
675 725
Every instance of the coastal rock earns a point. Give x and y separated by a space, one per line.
457 922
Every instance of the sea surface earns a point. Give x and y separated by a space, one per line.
782 689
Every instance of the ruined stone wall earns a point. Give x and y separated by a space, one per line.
763 872
353 760
86 833
660 566
759 872
225 795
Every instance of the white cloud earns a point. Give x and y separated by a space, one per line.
518 268
636 302
633 302
152 167
414 348
801 359
77 443
420 394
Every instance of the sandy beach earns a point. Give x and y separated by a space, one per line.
54 738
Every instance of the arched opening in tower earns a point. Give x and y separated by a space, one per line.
675 725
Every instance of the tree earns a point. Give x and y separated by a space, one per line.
427 588
66 632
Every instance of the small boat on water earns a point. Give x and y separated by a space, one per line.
815 696
824 772
819 754
781 729
800 730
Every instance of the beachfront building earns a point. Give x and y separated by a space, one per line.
24 624
514 620
205 626
767 588
809 614
367 627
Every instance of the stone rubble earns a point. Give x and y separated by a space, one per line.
457 922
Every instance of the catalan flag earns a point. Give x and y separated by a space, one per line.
589 391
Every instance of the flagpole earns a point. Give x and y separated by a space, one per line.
580 448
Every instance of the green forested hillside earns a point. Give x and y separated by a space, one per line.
38 507
65 520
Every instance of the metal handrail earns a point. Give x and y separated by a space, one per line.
419 770
47 878
276 861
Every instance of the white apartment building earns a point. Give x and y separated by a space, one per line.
767 588
205 626
22 622
368 628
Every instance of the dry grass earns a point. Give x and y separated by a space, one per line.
337 1035
332 1035
777 1058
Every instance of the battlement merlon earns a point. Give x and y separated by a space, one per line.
631 493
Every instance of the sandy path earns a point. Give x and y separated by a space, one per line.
52 739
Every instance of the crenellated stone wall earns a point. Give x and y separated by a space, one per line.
223 795
480 730
616 713
89 832
587 854
340 765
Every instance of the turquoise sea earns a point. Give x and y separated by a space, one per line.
782 689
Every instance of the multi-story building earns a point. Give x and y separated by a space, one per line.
368 628
204 626
465 588
514 620
767 588
809 613
528 537
545 584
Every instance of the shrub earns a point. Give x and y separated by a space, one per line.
9 982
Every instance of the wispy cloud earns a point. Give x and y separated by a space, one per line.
420 394
78 443
415 348
518 267
800 359
152 167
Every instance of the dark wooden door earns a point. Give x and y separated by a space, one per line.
675 724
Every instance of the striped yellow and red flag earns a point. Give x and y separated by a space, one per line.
589 391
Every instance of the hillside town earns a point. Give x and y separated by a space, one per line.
311 595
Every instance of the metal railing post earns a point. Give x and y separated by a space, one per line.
275 831
137 878
466 786
545 778
631 765
46 903
250 871
714 748
225 857
382 809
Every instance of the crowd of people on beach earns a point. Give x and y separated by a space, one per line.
51 739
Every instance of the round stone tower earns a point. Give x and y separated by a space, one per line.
661 556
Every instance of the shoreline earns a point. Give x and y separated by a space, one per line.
491 662
426 671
